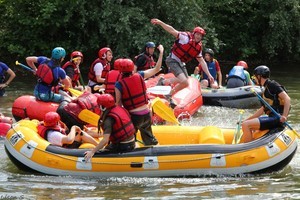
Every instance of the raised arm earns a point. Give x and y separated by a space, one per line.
165 26
31 60
150 72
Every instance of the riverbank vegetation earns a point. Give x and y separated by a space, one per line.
248 29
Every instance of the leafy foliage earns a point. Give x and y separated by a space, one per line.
248 29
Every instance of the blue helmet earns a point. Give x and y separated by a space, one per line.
58 53
150 45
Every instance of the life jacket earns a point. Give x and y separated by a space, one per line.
84 101
88 101
238 72
43 130
186 52
123 127
273 99
106 69
111 78
45 74
148 64
76 72
212 68
133 92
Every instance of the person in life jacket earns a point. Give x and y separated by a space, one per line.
99 68
49 74
131 93
72 69
187 46
69 111
118 129
112 77
54 131
4 69
239 76
145 60
214 69
276 96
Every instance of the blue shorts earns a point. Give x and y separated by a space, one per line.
49 96
267 122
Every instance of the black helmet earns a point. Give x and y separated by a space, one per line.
262 70
150 45
210 52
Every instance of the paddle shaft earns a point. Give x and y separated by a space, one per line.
24 66
274 111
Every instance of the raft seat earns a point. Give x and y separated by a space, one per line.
211 135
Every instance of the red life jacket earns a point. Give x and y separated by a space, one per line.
85 101
106 69
43 130
45 74
133 92
123 127
76 72
149 62
111 78
186 52
88 101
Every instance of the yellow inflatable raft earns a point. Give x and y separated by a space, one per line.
183 151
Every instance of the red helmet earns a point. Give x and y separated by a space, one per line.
76 54
106 100
200 30
243 64
127 65
51 119
102 52
117 63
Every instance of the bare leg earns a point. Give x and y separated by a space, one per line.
248 126
86 138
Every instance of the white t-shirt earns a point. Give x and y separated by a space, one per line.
98 72
55 137
183 39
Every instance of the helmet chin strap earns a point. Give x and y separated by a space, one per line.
102 108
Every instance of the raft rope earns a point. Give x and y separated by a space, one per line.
129 163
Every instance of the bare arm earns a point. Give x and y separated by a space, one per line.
286 106
69 139
118 97
150 72
220 78
31 60
205 68
102 143
166 27
12 75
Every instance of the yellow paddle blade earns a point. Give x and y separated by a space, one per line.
74 92
238 134
89 117
162 110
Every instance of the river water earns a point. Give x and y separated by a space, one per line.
15 184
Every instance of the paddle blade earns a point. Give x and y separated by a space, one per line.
89 117
162 110
74 92
162 90
238 134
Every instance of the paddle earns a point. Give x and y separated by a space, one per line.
89 117
237 134
163 90
162 110
24 66
159 107
272 110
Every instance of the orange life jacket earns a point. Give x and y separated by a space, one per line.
186 52
133 92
